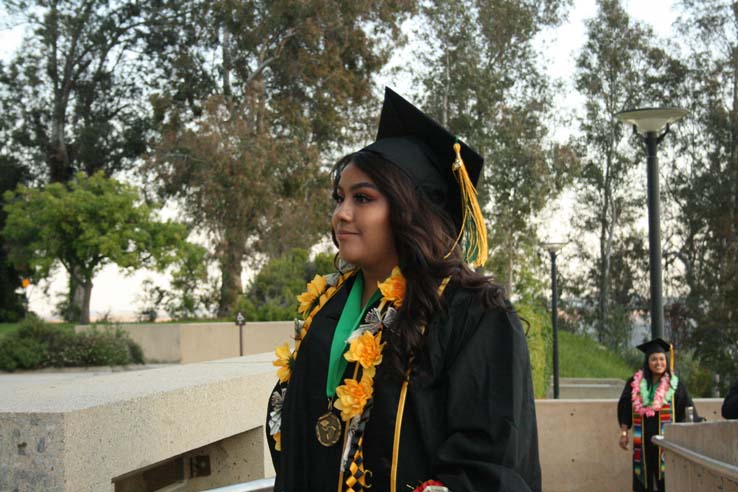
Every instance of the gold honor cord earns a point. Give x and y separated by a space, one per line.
345 436
401 410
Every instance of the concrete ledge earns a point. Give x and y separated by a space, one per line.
185 343
69 436
716 440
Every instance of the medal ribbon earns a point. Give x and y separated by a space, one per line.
351 316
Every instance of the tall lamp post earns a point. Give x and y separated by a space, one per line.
648 123
553 249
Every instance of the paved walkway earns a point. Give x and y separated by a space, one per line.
588 388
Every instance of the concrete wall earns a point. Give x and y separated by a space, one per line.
100 434
717 440
186 343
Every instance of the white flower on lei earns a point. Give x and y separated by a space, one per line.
275 416
373 321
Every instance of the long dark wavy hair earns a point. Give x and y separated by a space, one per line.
424 233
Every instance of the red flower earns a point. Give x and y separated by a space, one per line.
427 483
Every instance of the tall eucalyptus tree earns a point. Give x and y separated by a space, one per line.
482 79
254 97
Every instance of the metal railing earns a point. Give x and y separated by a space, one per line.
262 485
723 469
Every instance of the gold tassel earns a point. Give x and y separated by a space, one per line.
472 221
671 358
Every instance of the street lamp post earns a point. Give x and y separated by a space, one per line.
240 321
648 123
553 249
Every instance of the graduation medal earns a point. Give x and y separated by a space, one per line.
328 429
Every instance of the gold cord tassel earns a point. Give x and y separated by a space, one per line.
472 222
671 358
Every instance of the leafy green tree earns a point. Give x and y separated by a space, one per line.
83 226
272 296
72 96
192 293
12 305
254 97
72 93
482 80
616 65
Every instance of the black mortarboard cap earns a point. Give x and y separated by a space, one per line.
655 345
424 150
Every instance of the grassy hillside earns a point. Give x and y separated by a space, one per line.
7 328
582 357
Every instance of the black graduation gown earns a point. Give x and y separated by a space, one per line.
650 427
730 404
469 418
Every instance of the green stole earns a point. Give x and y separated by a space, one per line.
350 319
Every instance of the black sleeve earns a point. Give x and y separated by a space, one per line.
625 407
492 442
683 400
730 405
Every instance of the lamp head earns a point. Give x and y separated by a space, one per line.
553 247
648 120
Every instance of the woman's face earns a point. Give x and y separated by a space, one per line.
657 363
361 222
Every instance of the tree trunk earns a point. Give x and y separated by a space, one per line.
86 288
509 267
608 218
509 279
232 253
57 155
75 309
226 49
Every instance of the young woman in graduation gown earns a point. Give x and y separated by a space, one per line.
654 396
410 370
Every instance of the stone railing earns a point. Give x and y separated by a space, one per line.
702 456
200 426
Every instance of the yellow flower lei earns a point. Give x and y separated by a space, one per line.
320 289
367 351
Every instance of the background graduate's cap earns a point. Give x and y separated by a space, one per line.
443 166
657 345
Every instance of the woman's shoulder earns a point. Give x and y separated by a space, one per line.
469 311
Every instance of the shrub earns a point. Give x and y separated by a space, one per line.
20 353
37 329
272 296
135 351
38 344
99 348
537 326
